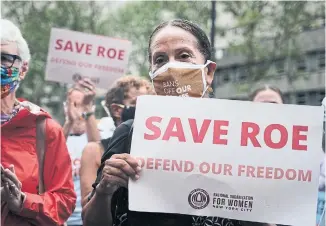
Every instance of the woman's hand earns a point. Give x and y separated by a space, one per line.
11 192
116 173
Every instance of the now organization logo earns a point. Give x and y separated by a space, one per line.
198 198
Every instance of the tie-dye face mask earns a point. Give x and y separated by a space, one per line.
9 80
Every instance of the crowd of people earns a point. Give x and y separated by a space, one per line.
77 174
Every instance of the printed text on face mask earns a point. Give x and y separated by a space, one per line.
171 88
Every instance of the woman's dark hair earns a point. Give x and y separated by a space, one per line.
203 42
263 88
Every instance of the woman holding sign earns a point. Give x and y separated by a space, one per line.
179 55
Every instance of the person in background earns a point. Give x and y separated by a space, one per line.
267 94
80 127
80 111
321 188
23 201
177 43
120 101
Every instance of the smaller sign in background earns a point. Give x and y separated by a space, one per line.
73 55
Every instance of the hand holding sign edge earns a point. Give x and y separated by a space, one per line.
116 173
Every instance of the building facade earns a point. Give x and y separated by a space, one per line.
232 78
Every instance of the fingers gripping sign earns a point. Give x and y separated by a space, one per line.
127 164
116 173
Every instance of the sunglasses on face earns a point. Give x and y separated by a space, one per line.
8 60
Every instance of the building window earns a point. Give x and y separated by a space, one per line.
233 73
286 98
243 74
218 78
216 81
321 60
225 76
312 98
301 98
316 97
321 96
311 62
301 64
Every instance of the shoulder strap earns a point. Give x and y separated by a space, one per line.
41 149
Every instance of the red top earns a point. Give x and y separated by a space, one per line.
18 147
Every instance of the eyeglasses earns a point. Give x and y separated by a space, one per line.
126 106
8 60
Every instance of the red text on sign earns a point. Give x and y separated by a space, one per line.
250 131
274 173
176 129
110 53
212 168
73 46
167 164
84 48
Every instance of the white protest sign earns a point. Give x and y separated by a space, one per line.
73 55
233 159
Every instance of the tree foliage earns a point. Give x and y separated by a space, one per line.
35 20
135 20
270 29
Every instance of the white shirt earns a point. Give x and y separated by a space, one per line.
76 145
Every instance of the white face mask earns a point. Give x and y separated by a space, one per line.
180 79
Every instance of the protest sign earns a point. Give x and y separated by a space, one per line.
73 55
233 159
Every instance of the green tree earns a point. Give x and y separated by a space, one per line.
133 21
276 22
35 19
269 30
136 20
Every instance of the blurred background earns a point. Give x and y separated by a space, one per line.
279 43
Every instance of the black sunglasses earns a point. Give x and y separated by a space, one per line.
8 60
